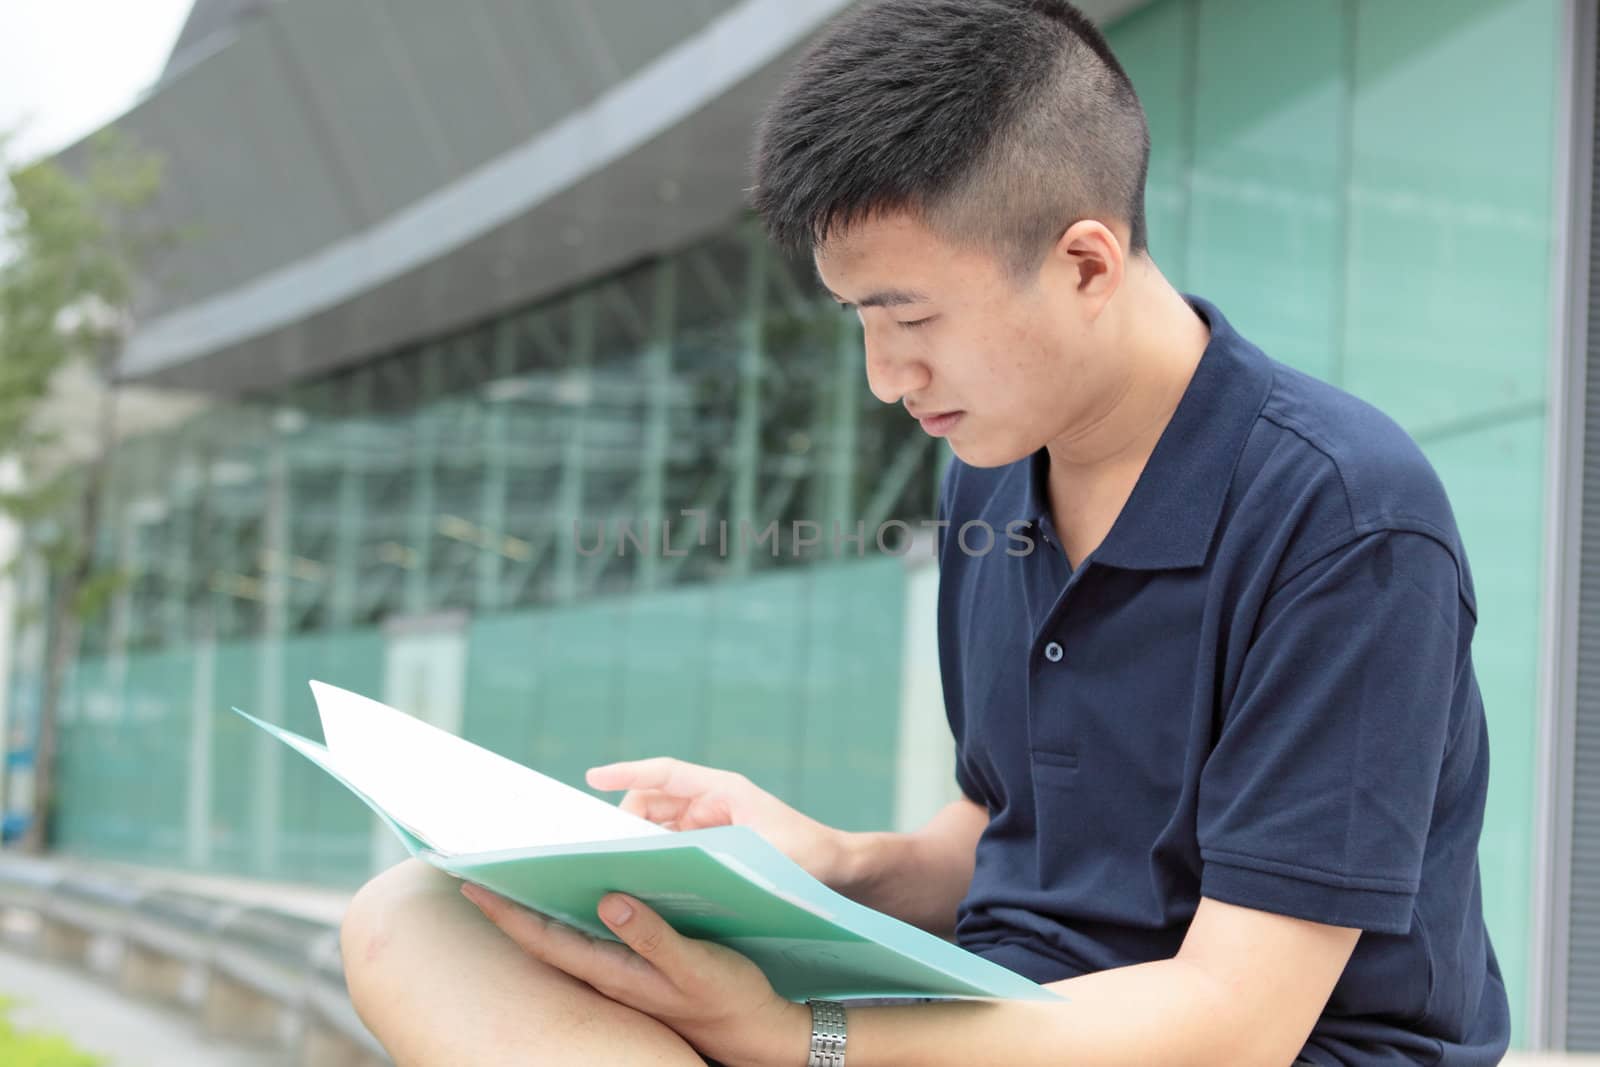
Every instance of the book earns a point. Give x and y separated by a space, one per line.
556 849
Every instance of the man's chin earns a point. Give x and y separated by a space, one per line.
979 453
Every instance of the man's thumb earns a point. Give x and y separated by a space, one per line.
641 929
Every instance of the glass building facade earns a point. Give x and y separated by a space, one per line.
649 510
1366 188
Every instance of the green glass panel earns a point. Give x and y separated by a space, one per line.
1151 45
75 780
92 817
851 682
578 660
235 755
154 753
666 672
792 679
1453 147
1266 189
753 702
501 705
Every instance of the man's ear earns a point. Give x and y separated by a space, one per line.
1090 259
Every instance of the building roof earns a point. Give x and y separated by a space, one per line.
358 176
210 26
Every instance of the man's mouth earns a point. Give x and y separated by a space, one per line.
939 423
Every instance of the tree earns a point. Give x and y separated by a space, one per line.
77 258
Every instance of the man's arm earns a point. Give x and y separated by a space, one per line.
919 877
1244 990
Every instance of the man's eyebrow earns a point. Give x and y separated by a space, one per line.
883 298
880 299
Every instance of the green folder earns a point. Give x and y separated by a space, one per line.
558 850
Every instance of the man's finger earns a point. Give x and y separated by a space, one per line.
663 773
599 963
654 805
648 935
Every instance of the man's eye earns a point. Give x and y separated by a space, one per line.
914 323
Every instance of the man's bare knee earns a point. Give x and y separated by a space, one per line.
385 906
437 982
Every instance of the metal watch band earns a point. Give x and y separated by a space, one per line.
827 1034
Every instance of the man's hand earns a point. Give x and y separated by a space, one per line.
716 999
686 796
917 877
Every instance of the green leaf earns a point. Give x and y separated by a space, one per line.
98 590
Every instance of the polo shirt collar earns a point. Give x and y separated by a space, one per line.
1171 517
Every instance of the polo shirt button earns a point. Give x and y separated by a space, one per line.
1052 652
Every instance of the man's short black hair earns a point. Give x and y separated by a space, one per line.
998 122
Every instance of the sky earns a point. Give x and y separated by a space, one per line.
67 67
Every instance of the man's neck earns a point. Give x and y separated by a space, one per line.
1094 466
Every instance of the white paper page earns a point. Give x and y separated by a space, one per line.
461 797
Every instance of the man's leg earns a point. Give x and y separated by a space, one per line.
440 985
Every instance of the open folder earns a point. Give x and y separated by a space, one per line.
558 850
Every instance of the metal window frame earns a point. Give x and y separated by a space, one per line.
1565 440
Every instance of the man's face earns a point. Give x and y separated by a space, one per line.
997 365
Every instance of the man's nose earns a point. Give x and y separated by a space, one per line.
892 376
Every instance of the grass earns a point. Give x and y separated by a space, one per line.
38 1050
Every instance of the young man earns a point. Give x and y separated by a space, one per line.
1222 752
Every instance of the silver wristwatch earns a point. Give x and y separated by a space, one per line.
827 1034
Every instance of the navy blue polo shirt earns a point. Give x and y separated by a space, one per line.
1258 689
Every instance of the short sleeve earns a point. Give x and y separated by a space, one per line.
1316 800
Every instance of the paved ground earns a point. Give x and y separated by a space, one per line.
133 1033
136 1034
129 1033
